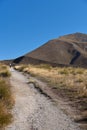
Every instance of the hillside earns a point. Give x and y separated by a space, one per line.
66 50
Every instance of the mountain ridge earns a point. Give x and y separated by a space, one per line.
66 50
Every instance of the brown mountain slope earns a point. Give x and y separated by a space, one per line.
67 50
78 37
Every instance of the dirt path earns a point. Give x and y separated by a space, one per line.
33 111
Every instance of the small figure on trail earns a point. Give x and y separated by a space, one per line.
10 65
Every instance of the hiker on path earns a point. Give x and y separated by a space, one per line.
10 65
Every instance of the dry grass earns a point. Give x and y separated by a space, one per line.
71 82
4 72
6 100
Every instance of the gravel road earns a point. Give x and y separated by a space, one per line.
34 111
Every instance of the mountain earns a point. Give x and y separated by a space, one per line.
66 50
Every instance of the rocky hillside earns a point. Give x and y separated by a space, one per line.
66 50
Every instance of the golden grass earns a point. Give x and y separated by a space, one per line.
6 100
65 77
5 116
71 82
4 72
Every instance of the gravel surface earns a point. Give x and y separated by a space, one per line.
34 111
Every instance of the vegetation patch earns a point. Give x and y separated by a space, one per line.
4 72
6 100
69 82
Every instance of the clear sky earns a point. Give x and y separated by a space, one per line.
27 24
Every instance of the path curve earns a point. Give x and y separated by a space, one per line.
33 111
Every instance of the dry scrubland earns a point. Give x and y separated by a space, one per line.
6 100
68 82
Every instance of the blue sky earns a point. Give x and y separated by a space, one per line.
27 24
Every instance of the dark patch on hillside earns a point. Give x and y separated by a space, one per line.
18 60
77 54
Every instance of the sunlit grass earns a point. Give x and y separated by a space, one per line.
5 116
60 77
6 99
4 72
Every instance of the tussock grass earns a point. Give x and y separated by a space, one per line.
4 72
5 93
6 99
5 116
71 82
21 68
